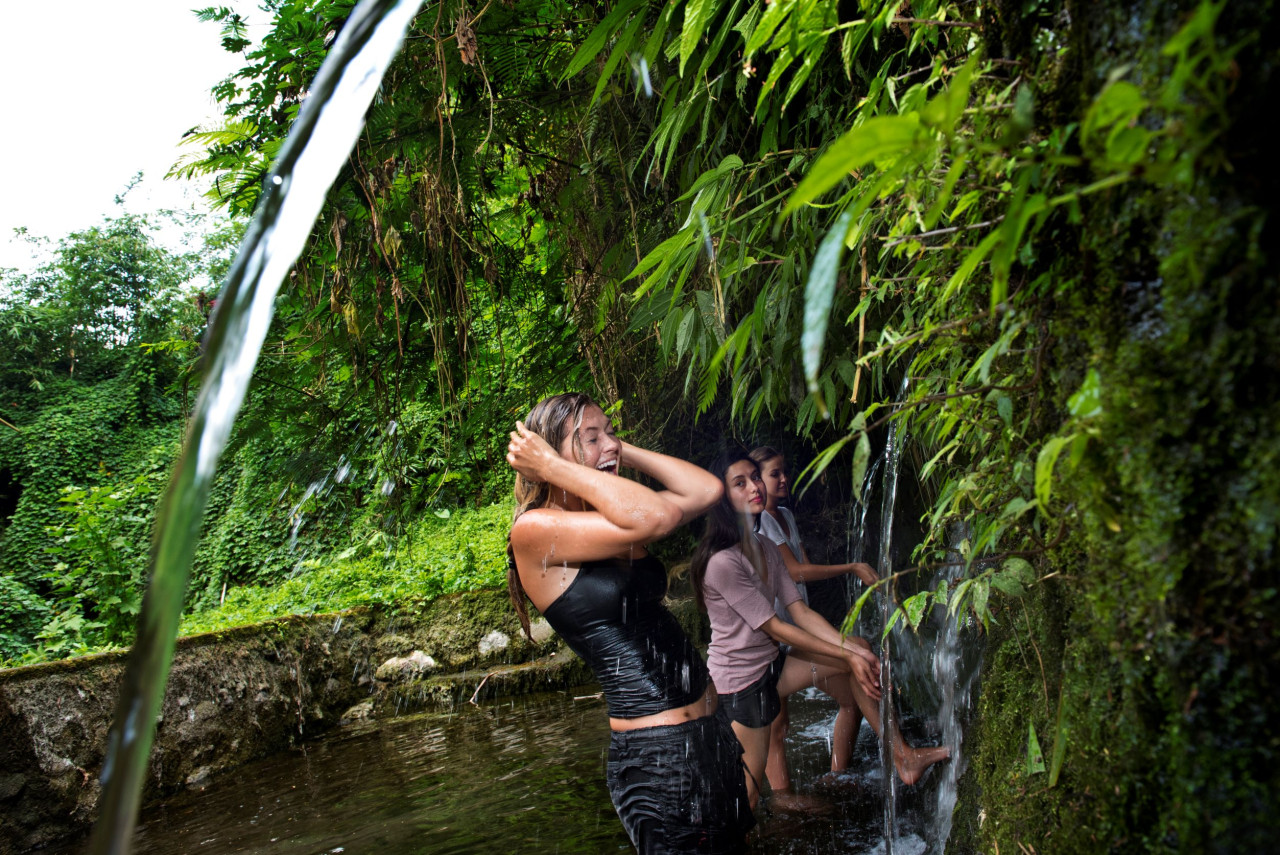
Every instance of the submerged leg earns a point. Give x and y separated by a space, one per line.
776 768
755 751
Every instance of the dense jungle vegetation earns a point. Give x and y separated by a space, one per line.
1035 234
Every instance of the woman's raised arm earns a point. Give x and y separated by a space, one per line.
689 487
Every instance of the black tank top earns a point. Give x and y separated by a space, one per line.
612 616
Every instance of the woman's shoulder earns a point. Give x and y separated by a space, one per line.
726 561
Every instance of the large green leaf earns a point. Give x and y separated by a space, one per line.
873 139
819 293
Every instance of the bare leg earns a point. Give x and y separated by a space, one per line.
844 735
776 769
830 676
755 750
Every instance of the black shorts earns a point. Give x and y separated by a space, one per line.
758 704
681 787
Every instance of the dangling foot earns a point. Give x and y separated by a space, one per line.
912 762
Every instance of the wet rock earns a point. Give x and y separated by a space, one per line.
408 667
199 778
495 641
360 712
11 785
541 631
392 645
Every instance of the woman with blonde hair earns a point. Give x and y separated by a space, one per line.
577 552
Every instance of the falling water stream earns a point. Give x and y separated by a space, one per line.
885 566
318 144
933 671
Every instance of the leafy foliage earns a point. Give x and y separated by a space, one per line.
440 555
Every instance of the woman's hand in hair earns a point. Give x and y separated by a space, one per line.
530 454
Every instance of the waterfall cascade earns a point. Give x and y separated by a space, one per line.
936 667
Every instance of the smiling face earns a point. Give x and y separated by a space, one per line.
594 443
743 488
776 482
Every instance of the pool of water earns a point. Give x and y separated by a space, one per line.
524 776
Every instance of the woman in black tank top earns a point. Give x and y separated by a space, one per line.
577 552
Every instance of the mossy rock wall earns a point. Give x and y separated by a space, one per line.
1148 655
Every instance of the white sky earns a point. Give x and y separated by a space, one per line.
92 92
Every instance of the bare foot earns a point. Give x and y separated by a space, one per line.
911 762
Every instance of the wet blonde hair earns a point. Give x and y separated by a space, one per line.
552 419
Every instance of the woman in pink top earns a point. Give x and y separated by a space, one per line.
736 577
778 525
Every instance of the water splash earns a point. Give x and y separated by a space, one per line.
957 662
318 145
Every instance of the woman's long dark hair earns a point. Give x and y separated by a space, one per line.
552 419
725 528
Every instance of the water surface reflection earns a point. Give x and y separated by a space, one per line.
523 776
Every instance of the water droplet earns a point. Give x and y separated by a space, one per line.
277 180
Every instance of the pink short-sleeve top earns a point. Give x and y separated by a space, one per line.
739 603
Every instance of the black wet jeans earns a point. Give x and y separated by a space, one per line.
681 787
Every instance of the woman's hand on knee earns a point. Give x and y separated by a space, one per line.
868 677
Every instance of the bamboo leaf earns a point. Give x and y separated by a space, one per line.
599 37
915 607
945 108
819 294
873 139
1086 403
1011 233
1035 757
1045 462
851 621
696 15
682 336
1118 103
861 459
621 49
775 13
1059 745
820 463
730 164
971 261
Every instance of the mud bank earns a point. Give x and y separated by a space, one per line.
243 694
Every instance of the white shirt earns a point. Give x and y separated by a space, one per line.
771 530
